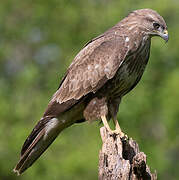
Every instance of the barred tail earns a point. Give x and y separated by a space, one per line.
44 133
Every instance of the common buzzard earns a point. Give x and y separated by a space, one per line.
107 68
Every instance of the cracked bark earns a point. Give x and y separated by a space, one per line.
121 159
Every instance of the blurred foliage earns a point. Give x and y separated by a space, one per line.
38 40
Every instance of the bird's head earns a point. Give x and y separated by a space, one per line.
151 22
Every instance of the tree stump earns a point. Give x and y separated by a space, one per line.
121 159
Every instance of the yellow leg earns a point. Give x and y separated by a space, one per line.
117 127
116 131
105 122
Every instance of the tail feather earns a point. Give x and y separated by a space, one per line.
44 133
39 126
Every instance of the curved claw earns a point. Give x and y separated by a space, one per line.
118 132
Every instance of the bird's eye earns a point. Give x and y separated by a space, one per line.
156 26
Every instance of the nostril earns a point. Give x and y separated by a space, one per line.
165 32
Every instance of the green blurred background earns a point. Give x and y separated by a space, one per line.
38 40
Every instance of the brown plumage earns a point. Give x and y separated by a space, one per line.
106 69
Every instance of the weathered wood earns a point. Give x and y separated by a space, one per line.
121 159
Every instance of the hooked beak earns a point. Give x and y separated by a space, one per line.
164 35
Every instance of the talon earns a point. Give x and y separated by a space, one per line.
125 138
117 132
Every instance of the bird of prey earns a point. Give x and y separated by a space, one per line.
106 69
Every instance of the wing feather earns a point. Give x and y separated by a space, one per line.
93 66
